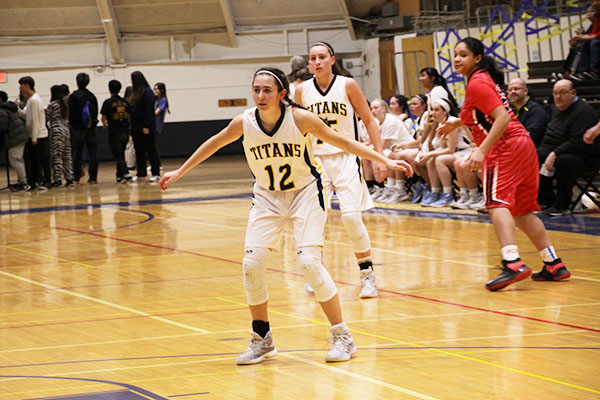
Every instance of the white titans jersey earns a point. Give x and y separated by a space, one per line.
279 160
334 107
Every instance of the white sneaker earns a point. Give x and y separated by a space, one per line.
480 205
258 350
343 345
460 202
397 197
367 281
383 193
309 289
154 179
138 179
376 192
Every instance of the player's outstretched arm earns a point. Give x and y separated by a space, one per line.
308 122
229 134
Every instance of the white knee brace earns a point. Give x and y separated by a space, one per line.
309 260
357 232
254 275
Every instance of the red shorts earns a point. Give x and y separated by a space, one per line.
511 175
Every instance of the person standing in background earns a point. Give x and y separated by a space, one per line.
143 127
57 118
83 117
35 122
161 106
116 113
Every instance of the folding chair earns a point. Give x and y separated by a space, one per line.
587 185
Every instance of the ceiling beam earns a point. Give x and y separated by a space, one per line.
347 18
229 21
111 29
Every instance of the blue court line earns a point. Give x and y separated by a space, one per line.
304 350
136 389
581 224
189 394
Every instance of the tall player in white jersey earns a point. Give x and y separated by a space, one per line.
287 187
337 100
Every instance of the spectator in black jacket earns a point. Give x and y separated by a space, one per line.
563 153
83 127
14 134
529 113
143 127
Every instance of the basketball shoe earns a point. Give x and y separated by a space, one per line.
512 272
259 349
367 282
343 345
552 271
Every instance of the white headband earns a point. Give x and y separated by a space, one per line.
264 71
442 103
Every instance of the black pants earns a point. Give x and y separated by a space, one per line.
87 138
117 142
568 167
39 161
146 144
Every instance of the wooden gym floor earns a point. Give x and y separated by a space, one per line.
122 292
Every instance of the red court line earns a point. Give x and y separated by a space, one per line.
414 296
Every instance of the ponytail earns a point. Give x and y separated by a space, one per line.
489 65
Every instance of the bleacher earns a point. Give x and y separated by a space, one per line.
589 90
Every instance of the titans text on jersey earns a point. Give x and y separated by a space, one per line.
275 150
328 107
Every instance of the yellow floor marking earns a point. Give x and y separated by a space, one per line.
106 303
337 370
47 256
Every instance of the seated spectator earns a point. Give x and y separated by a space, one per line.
14 133
399 108
410 151
454 146
392 131
563 153
588 44
528 112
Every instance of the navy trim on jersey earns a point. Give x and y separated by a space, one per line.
328 88
483 121
277 125
317 175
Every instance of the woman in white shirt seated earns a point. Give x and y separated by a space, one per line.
455 146
392 131
399 108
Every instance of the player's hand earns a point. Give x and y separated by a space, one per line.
146 131
380 171
402 166
168 179
474 160
447 127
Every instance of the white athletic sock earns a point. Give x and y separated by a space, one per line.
447 189
400 183
548 254
474 192
510 252
464 192
390 182
436 189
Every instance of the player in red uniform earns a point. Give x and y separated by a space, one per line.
509 163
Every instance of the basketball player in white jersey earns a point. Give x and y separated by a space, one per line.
337 100
287 187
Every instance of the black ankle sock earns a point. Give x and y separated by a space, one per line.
370 184
366 264
261 327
